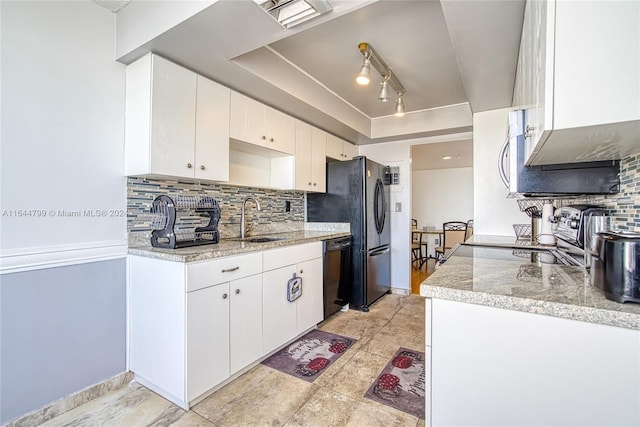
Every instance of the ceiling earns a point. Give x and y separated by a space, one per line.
433 156
445 53
422 58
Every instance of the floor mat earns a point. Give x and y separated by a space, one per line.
401 383
309 356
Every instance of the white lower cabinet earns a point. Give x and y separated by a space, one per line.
283 320
224 332
245 322
192 326
505 367
279 315
207 338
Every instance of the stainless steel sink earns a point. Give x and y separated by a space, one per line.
258 239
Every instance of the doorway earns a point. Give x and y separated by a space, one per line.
441 191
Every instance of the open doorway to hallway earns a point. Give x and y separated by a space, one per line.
441 191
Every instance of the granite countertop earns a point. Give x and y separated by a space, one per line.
548 289
228 247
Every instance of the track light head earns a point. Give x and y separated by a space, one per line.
399 112
384 91
365 72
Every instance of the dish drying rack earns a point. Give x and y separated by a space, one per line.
164 214
532 207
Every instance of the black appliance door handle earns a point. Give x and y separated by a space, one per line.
378 214
379 252
384 207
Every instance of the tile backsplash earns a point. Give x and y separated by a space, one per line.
624 206
272 218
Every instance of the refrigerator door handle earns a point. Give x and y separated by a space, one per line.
379 215
379 252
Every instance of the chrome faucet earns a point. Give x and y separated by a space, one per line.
242 226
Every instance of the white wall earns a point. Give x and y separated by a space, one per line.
62 329
398 153
62 130
493 212
441 195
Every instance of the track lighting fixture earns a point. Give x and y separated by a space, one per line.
371 57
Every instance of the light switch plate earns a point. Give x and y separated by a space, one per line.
398 206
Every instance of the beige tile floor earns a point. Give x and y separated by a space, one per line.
264 396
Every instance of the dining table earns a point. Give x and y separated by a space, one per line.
425 231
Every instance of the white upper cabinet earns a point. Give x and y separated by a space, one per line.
212 131
310 159
176 122
339 149
258 124
578 80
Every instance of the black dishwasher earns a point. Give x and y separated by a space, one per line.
337 278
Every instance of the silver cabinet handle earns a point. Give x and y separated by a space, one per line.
314 184
224 296
309 183
189 165
237 291
229 270
201 167
264 137
271 139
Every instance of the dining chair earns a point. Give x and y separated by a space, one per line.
416 246
453 232
469 231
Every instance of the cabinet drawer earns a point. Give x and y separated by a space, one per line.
276 258
207 273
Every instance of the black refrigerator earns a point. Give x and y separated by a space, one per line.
357 194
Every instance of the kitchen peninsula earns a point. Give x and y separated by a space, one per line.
535 335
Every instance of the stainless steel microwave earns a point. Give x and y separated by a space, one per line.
601 177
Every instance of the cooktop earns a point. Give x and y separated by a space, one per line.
524 254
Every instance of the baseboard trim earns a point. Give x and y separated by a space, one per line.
401 291
60 406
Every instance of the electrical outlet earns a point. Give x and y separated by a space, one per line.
287 206
437 241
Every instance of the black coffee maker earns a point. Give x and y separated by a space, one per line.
615 265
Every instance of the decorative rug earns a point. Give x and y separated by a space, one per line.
401 383
309 356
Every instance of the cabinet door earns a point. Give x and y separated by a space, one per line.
538 118
303 159
349 151
245 322
318 160
281 130
173 112
247 120
207 339
334 147
310 310
212 131
279 316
